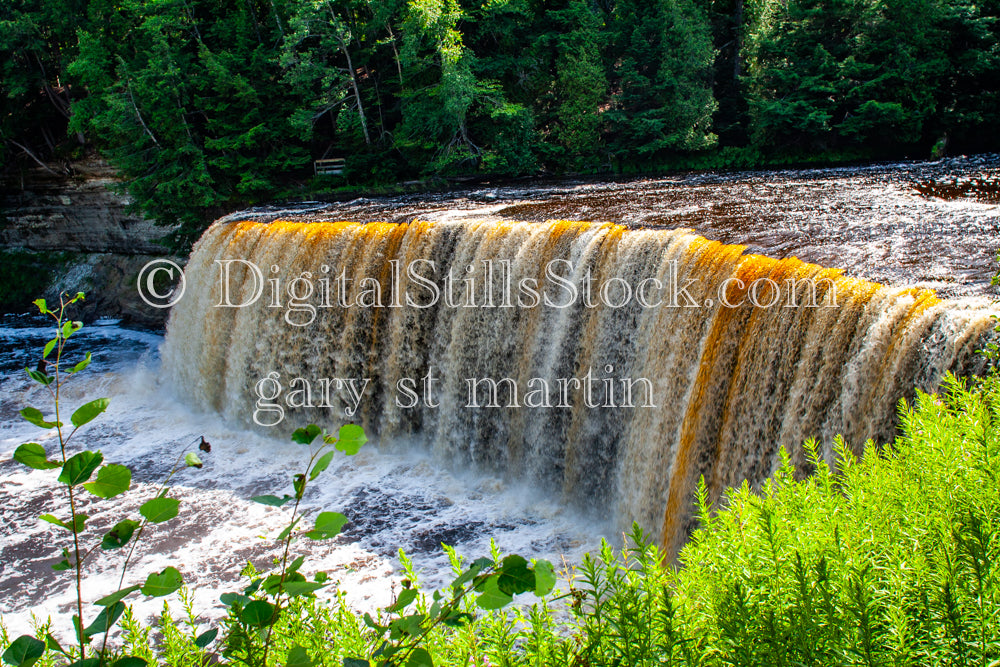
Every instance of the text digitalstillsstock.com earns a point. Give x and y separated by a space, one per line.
490 284
486 284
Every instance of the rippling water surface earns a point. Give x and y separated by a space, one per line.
931 224
397 501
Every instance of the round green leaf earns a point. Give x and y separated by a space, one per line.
112 480
80 467
545 577
129 661
119 536
406 596
298 657
162 583
258 614
419 657
191 460
305 436
514 577
350 439
206 638
328 524
24 651
158 510
35 416
493 597
299 588
106 619
88 411
70 327
33 455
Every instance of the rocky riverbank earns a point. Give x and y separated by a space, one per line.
69 229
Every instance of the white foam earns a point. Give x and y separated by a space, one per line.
394 501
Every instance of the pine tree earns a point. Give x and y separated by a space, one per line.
580 84
662 58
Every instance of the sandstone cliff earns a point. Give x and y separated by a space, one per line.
80 222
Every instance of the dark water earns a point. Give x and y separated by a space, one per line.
933 224
22 338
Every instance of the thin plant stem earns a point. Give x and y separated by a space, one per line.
135 541
77 564
299 494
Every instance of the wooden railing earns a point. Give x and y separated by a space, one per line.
331 167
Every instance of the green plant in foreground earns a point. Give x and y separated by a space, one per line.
496 580
398 633
251 633
76 475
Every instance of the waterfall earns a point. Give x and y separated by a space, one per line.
711 382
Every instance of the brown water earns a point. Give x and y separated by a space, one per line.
721 384
929 224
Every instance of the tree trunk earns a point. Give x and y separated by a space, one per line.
738 39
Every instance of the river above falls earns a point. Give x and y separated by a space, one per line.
927 224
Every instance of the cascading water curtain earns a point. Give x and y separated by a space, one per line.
615 366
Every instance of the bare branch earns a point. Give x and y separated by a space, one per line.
128 87
34 157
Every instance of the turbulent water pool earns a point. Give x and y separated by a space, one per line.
393 501
933 225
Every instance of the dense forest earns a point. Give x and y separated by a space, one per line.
207 105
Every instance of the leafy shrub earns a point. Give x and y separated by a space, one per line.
77 468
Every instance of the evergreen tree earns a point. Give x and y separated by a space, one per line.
663 57
881 75
37 42
209 105
728 19
580 84
967 96
796 54
440 87
187 95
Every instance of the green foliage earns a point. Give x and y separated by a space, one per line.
884 75
263 616
76 475
580 85
666 56
252 620
886 560
37 43
188 100
25 275
208 106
